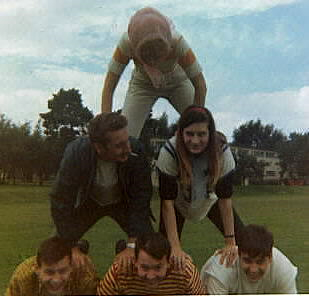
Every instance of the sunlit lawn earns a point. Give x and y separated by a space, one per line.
25 221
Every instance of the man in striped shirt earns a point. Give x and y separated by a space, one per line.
151 273
51 273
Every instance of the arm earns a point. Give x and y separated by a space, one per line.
224 190
117 65
64 193
14 288
193 70
109 285
195 285
229 252
111 81
168 192
199 84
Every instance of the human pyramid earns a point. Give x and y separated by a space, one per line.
106 174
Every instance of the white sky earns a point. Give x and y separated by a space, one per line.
254 55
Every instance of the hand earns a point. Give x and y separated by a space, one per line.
126 259
178 258
229 253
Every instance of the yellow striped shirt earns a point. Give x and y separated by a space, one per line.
24 281
117 282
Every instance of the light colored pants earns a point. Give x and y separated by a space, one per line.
142 96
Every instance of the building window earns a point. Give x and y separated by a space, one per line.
270 154
270 173
258 153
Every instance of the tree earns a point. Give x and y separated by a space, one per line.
65 121
294 156
67 116
256 135
248 168
154 128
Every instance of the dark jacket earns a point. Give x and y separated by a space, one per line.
75 179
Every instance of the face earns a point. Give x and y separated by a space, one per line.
118 146
151 270
254 268
55 277
196 137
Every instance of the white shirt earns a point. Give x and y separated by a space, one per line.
280 277
193 203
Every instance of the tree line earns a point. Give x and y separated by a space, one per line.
33 155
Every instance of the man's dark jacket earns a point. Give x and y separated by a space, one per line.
75 179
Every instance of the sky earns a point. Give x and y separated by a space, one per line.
254 56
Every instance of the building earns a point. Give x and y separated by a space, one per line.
272 168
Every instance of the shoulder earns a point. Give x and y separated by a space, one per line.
168 160
225 275
179 43
281 266
25 271
80 144
124 44
221 141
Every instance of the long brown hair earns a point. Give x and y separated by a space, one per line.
197 114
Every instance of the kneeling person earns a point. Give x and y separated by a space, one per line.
51 273
259 269
151 273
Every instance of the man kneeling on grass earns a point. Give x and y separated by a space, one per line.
151 272
259 269
51 273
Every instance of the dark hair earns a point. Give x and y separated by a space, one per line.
52 250
154 244
198 114
101 124
255 240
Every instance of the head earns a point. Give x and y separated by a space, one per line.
54 265
152 255
150 36
196 134
255 251
109 135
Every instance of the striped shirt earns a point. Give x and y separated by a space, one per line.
118 282
178 66
24 281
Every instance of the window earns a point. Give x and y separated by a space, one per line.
270 173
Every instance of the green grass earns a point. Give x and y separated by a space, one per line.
25 222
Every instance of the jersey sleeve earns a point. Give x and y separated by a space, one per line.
121 56
167 161
187 59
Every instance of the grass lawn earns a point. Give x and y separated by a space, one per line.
25 222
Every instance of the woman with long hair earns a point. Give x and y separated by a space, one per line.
195 180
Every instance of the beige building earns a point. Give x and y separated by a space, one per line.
271 159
